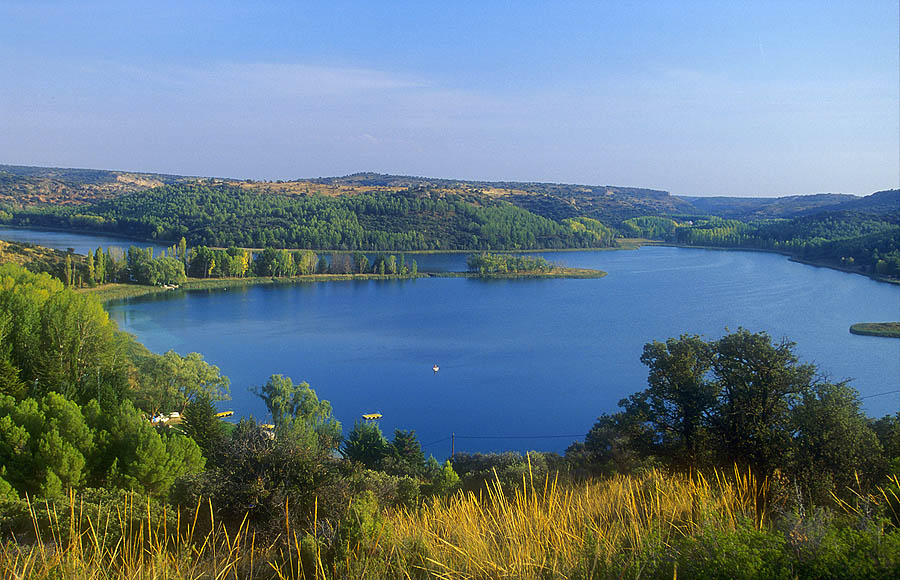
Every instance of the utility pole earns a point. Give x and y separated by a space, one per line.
452 444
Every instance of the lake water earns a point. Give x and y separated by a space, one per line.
524 364
80 243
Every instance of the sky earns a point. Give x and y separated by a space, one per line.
692 97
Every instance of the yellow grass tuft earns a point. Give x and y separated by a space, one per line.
542 530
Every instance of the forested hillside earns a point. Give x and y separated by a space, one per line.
751 208
851 240
375 212
226 215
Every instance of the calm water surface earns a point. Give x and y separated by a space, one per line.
81 243
524 364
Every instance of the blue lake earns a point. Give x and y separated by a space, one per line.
524 364
80 243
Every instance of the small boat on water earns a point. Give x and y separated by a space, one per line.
435 368
371 416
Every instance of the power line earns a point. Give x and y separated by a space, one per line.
436 442
517 436
502 437
881 394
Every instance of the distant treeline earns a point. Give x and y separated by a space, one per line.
861 242
486 263
140 266
416 219
423 218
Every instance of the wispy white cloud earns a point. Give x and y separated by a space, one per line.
276 120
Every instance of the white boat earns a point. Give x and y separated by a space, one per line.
435 368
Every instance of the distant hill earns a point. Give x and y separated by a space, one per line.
24 185
608 203
752 208
35 186
881 202
372 211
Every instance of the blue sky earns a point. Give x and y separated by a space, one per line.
697 98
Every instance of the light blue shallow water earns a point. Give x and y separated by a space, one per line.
521 360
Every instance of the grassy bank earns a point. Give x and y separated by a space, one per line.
648 526
886 329
555 273
110 292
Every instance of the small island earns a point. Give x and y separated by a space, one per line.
141 273
487 265
885 329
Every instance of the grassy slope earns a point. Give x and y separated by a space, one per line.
648 526
35 258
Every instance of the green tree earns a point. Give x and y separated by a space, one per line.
445 481
44 444
366 444
201 424
75 342
407 452
69 276
100 266
92 274
306 261
834 448
759 382
681 396
170 381
360 263
182 250
618 443
298 413
10 383
132 454
267 480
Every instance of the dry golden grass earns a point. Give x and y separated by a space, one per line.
545 530
553 530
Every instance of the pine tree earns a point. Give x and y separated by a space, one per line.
201 424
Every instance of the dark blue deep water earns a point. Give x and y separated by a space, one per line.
524 364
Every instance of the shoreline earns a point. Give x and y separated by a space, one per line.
780 253
113 292
879 329
628 244
624 244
